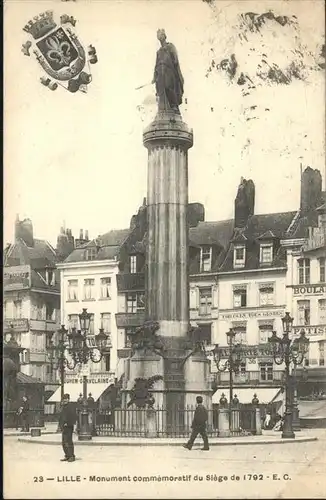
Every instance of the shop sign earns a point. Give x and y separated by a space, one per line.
253 314
90 380
19 325
16 278
310 331
309 289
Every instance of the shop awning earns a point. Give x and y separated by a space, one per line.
75 389
245 394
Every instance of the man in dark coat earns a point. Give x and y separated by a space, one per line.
24 411
67 421
199 425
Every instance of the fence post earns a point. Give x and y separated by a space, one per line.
258 422
151 423
223 418
235 415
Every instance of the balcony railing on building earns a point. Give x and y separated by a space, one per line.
131 282
251 378
128 320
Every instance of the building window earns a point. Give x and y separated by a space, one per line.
133 263
72 289
239 256
240 333
105 288
304 271
266 254
321 346
265 332
106 322
205 301
322 311
135 302
322 274
205 332
239 297
266 295
266 371
18 306
73 321
50 277
91 253
206 258
128 333
303 312
49 312
89 289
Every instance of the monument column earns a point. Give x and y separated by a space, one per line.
168 139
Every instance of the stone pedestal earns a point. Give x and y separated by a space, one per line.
223 422
258 422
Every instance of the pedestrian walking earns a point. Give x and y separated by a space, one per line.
199 425
24 413
67 422
267 421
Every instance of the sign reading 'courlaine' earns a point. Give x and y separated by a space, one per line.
253 314
16 278
310 289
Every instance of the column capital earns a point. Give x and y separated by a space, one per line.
168 129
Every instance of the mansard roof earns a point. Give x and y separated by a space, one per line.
108 245
212 233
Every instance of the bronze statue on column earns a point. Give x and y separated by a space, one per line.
168 78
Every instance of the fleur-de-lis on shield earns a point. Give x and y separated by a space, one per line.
58 51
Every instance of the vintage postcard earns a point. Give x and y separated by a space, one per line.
165 249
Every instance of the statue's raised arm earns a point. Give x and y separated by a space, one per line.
167 76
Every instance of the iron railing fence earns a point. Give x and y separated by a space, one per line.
176 422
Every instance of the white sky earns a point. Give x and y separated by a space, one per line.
79 157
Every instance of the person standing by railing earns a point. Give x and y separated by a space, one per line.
24 411
199 425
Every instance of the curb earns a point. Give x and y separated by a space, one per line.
22 434
226 442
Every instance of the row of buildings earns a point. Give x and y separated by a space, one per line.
244 273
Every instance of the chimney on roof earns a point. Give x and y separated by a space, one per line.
311 191
81 234
244 204
24 231
86 235
65 244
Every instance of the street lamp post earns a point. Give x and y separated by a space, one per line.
232 363
77 348
287 351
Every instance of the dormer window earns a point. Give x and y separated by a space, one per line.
50 277
266 253
239 256
91 253
133 264
206 258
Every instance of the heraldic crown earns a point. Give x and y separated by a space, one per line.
41 25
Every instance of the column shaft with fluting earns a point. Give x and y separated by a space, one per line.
167 301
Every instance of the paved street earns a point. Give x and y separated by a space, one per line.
270 471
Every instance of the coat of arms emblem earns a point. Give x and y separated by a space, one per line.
59 52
